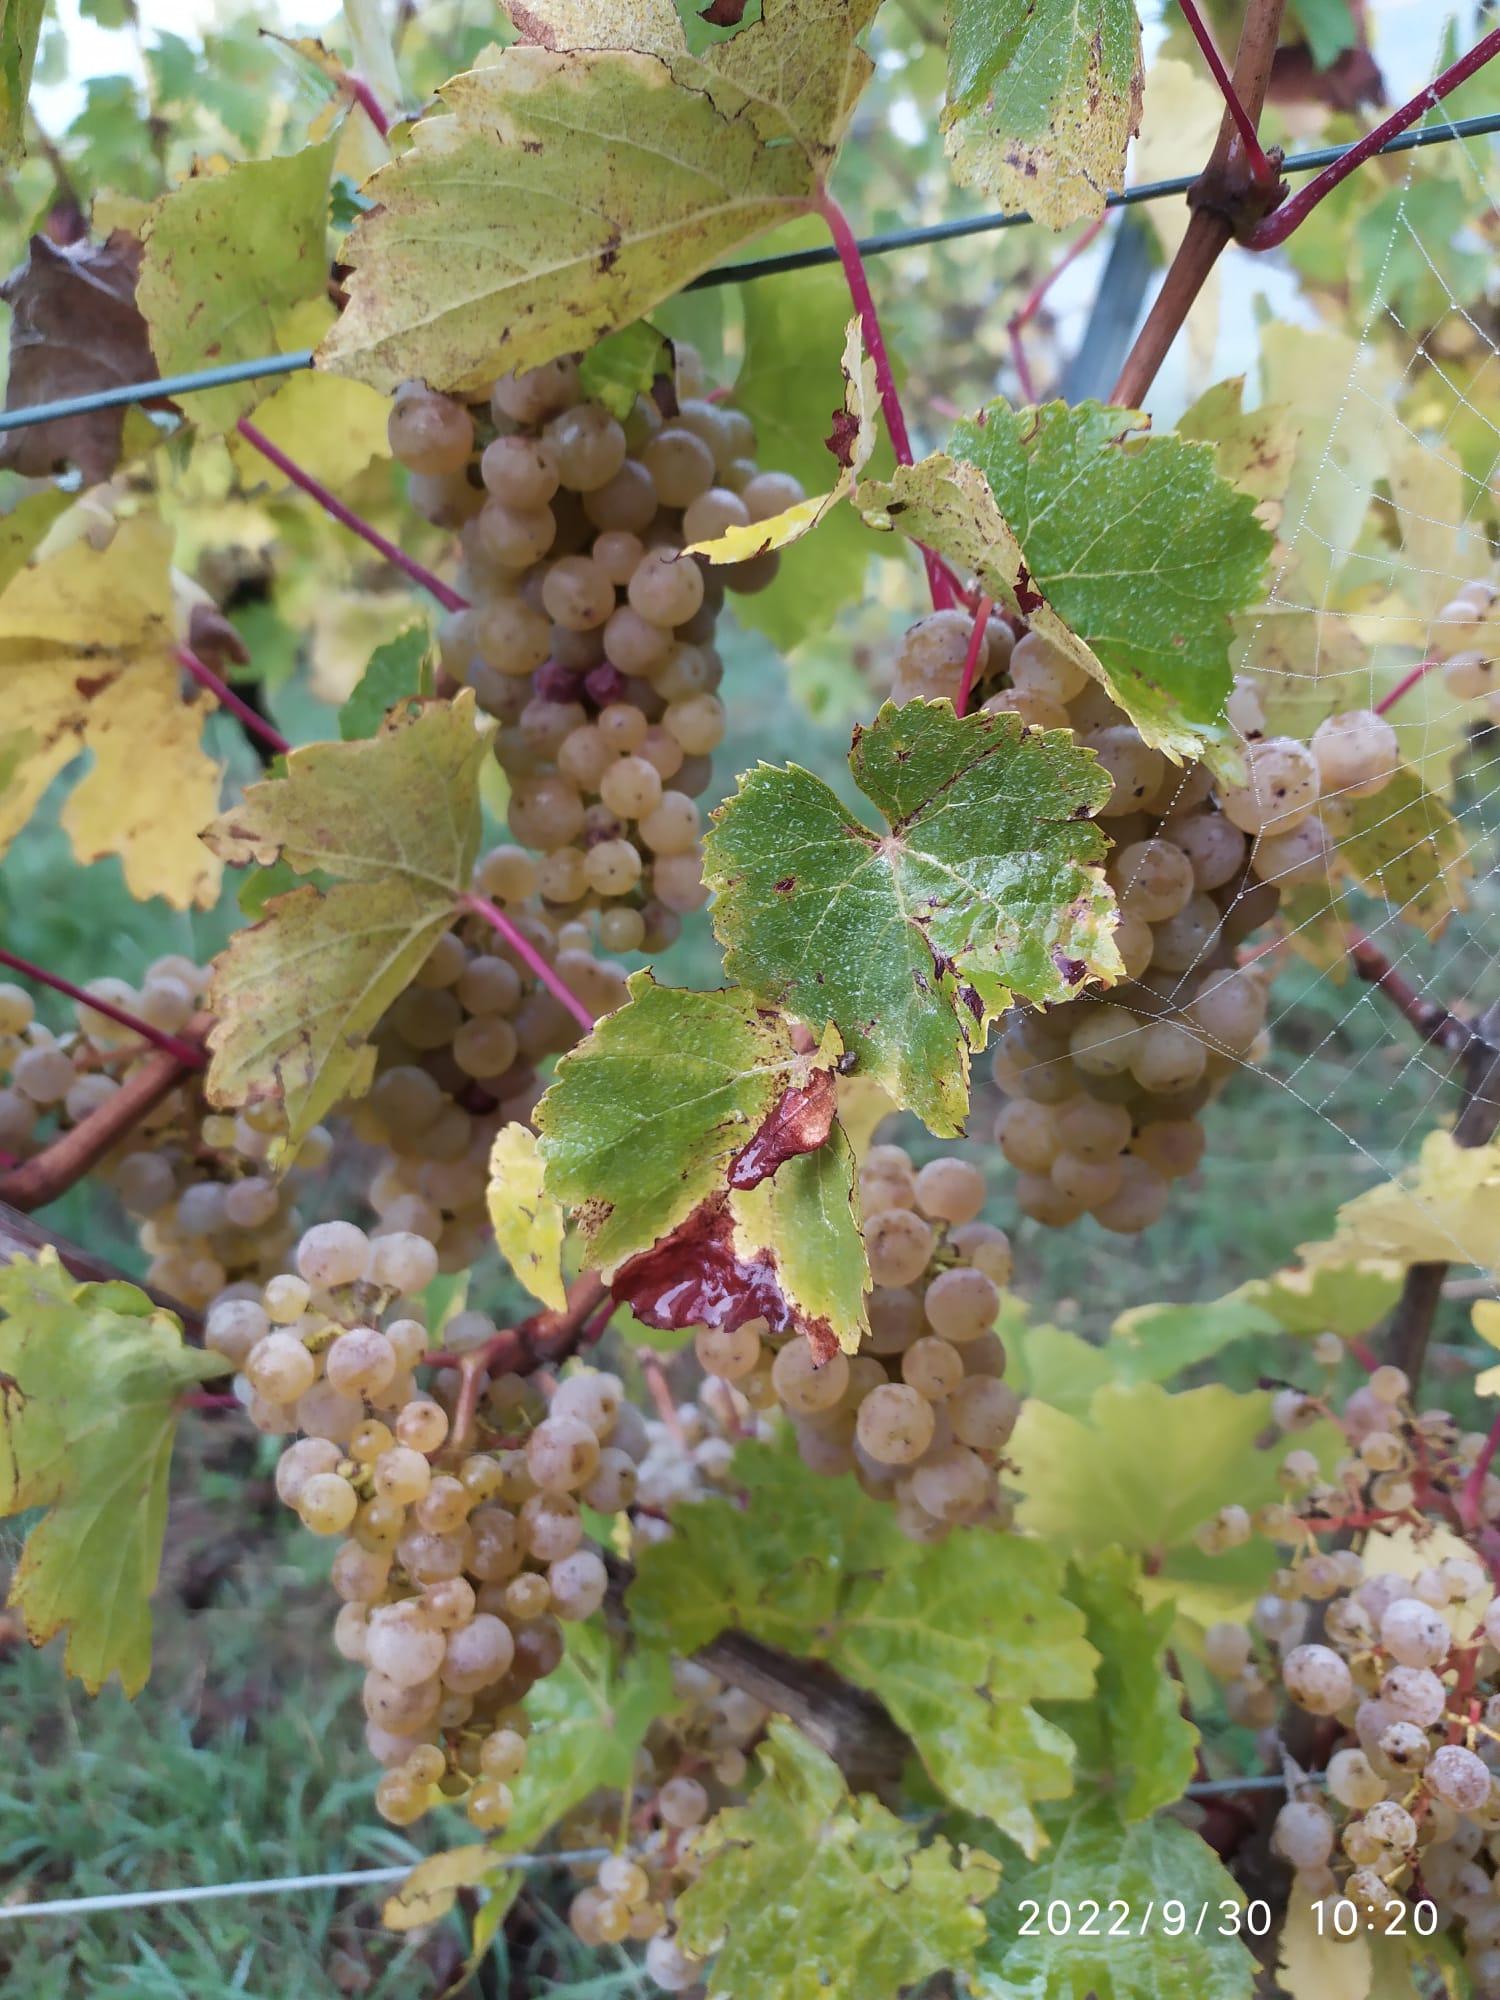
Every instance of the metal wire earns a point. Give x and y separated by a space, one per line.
736 274
277 1885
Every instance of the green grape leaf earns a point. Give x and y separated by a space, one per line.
1095 1481
1328 27
228 258
876 1911
490 187
20 29
90 1377
1042 101
1404 846
1152 1343
645 1117
528 1223
984 883
1096 1861
804 1216
1132 1736
1098 509
947 505
1347 1299
395 670
588 1719
960 1640
86 663
622 366
395 819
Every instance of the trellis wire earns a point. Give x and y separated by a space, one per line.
736 274
276 1885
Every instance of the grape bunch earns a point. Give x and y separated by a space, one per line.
693 1763
460 1053
1402 1669
1104 1091
920 1415
194 1180
588 635
458 1559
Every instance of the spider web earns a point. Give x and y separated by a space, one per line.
1369 562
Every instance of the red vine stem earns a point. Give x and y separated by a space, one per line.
857 279
185 1053
1261 170
1469 1500
1432 1021
368 102
346 516
530 956
1276 228
1405 685
976 647
226 697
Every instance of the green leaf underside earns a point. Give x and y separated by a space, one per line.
226 255
89 1381
1132 1737
809 1894
395 670
1043 98
1097 1859
396 817
804 1214
588 1719
1099 510
20 27
959 1640
644 1117
527 1222
912 940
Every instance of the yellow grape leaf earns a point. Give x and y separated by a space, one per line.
228 255
852 443
331 427
1316 1964
396 818
528 1223
555 197
431 1889
1404 1551
863 1105
586 175
1256 450
1486 1318
90 1377
1445 1209
86 663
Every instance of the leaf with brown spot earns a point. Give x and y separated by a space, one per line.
74 329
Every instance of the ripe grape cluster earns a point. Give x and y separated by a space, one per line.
693 1762
920 1415
196 1181
1104 1092
589 635
1404 1666
460 1052
458 1560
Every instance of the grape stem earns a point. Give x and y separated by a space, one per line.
72 1154
971 657
1405 685
661 1395
1274 229
1469 1504
530 956
1432 1022
346 517
205 676
368 102
1262 171
857 278
518 1350
187 1054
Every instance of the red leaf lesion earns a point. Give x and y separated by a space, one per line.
799 1123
